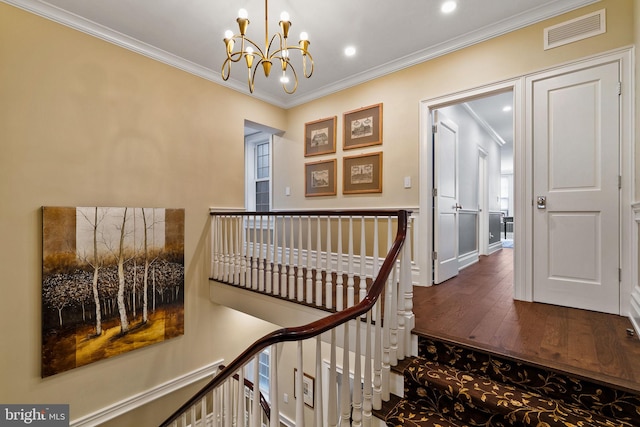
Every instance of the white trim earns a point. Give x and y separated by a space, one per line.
634 306
137 400
496 29
468 259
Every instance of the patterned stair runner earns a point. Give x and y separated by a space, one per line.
451 385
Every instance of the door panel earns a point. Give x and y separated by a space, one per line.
445 147
576 168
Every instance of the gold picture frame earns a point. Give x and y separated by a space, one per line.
362 127
308 384
320 137
362 174
320 178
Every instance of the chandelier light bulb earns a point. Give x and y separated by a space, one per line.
304 36
249 50
243 14
228 34
284 16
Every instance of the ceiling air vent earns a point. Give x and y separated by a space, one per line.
577 29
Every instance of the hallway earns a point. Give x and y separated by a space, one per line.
477 308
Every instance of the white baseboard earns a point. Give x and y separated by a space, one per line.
132 402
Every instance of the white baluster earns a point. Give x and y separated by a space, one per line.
273 387
318 263
243 250
283 258
292 277
227 410
203 410
192 415
356 415
300 276
309 281
367 391
240 406
394 316
254 255
299 388
386 332
363 261
332 404
216 410
238 250
256 408
350 282
402 327
225 250
215 246
339 278
276 264
377 351
318 407
345 398
261 257
268 285
328 270
408 289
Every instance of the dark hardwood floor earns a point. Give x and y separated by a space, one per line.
477 308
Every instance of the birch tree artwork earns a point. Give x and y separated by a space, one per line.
112 282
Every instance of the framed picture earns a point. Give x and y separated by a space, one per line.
320 178
307 388
362 174
320 137
363 127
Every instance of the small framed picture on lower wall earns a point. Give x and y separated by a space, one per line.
308 384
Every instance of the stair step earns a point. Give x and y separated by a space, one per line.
478 400
451 384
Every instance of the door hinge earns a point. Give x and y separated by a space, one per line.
435 192
434 255
619 275
619 182
619 88
434 128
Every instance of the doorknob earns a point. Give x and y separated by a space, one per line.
457 206
542 202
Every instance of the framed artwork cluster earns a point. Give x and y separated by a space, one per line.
361 173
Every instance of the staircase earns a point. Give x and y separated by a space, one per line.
451 384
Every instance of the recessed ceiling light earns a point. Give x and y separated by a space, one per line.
350 51
506 108
448 6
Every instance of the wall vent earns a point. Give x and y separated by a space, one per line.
576 29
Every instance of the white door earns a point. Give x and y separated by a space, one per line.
445 200
576 207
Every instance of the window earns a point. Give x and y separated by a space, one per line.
263 372
258 172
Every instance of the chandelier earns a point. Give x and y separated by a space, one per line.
275 50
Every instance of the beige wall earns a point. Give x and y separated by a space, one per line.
499 59
84 123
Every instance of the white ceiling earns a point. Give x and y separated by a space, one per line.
388 35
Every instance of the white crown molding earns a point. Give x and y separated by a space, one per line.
541 13
132 402
491 131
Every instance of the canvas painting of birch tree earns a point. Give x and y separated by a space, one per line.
112 282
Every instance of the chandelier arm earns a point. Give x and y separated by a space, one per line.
295 79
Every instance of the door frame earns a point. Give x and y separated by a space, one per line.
624 57
427 107
523 174
483 203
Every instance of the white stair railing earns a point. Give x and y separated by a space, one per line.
283 254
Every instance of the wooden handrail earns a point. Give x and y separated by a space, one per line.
317 327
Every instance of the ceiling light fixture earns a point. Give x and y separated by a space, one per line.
506 108
350 51
281 53
448 6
